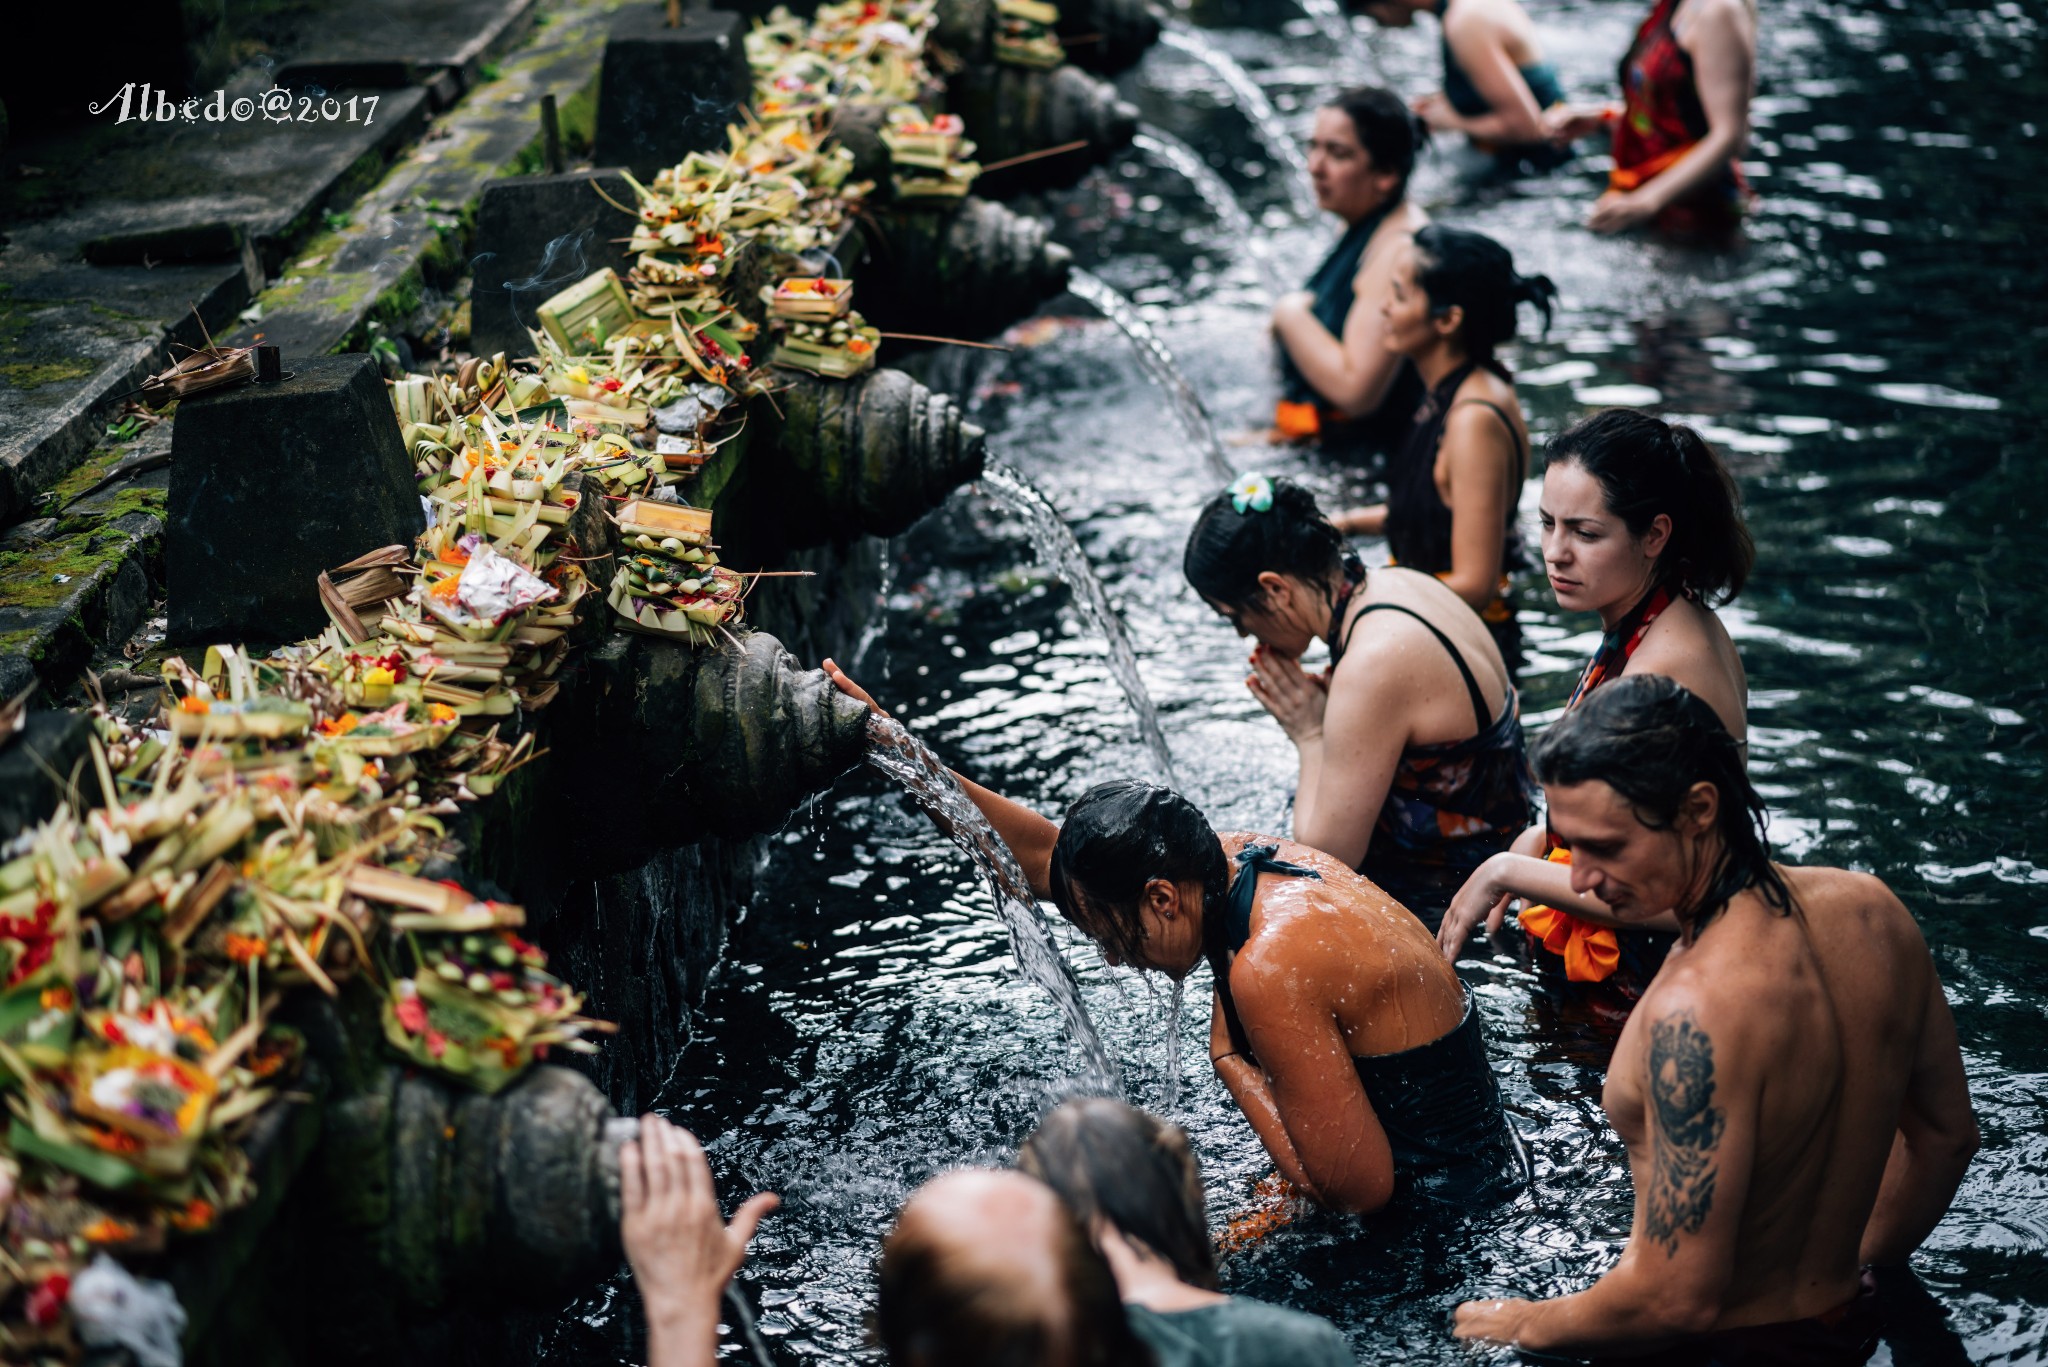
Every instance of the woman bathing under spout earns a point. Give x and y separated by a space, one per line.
1344 1036
1410 744
1642 525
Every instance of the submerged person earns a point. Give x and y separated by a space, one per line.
990 1269
1342 1034
1338 381
1410 745
1678 138
1642 525
1133 1182
1790 1089
1496 83
1455 484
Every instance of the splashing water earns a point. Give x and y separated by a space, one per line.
1215 192
1251 101
1158 364
1060 552
910 763
1335 25
1173 1009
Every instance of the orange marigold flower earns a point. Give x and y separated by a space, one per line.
246 948
107 1230
194 704
196 1215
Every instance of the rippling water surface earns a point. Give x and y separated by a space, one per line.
1871 363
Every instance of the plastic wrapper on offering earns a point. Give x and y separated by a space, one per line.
1024 34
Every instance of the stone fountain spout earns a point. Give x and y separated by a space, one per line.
967 272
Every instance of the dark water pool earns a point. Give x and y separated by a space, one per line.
1871 363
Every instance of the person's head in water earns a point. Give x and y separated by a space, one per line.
989 1269
1362 152
1134 866
1649 792
1458 291
1115 1165
1271 568
1630 501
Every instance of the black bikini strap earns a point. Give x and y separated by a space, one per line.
1479 707
1236 927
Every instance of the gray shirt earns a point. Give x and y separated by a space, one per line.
1240 1332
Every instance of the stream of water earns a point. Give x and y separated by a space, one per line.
1158 363
1240 233
1868 364
1250 100
1061 553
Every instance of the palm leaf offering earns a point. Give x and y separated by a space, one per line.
1024 34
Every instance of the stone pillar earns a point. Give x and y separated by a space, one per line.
666 92
273 483
536 235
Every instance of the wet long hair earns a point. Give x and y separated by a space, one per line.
1647 466
1134 1170
927 1314
1228 550
1651 739
1387 129
1458 268
1119 836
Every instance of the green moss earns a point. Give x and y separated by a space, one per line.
89 472
31 374
28 578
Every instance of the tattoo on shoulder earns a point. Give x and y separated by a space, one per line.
1689 1128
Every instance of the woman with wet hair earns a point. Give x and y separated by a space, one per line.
1410 743
1337 381
1344 1036
1133 1182
1453 488
1642 524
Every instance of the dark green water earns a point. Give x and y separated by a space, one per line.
1870 363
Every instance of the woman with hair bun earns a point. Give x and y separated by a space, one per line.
1343 1035
1453 488
1642 525
1410 744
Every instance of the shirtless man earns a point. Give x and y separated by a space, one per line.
1789 1088
1341 1032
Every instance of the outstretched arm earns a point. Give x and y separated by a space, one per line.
1539 882
1937 1138
1512 115
1029 835
1248 1088
1692 1173
1721 40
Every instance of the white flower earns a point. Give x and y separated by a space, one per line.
1252 493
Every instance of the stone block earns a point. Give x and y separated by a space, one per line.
36 768
666 92
270 484
536 235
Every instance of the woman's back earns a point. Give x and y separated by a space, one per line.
1240 1332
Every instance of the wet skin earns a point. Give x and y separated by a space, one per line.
1395 687
1334 969
1790 1092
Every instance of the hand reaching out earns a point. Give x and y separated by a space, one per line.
850 688
681 1250
1479 902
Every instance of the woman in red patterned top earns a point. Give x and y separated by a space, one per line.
1678 137
1641 524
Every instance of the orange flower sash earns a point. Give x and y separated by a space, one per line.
1590 952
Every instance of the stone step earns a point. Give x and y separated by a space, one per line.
443 47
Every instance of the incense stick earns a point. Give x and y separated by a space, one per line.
1073 146
946 341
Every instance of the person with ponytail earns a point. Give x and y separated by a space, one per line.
1790 1089
1134 1183
1497 84
1453 488
1344 1036
1642 525
1410 743
1337 382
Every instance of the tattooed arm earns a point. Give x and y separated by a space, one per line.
1691 1164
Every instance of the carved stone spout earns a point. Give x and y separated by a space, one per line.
872 455
1101 35
1011 111
967 271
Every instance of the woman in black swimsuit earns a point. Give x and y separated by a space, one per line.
1342 1032
1453 487
1410 744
